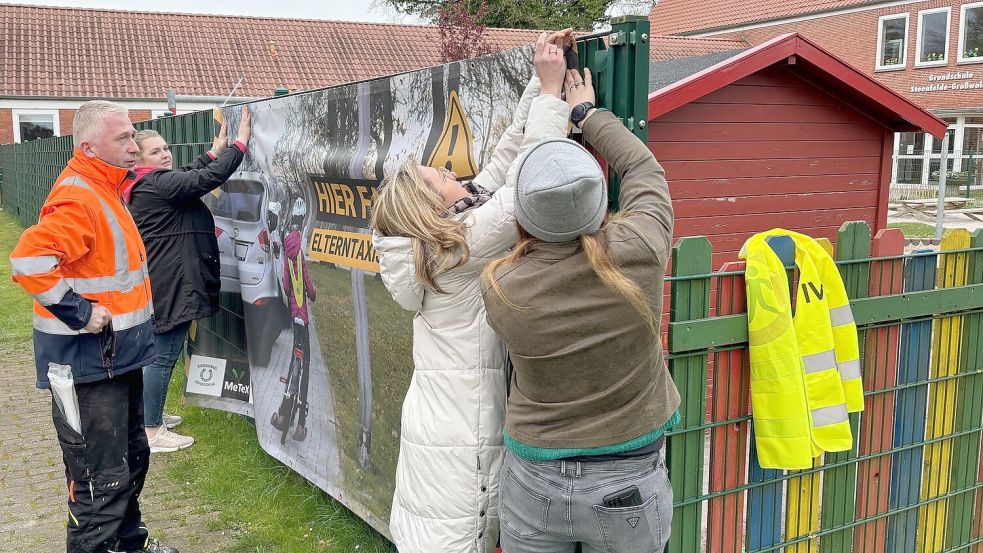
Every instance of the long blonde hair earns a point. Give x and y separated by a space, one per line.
595 246
408 206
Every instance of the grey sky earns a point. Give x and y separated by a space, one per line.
348 10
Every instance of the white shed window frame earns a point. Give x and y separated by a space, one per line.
918 37
880 42
962 34
15 119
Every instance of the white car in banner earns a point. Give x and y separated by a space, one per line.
246 232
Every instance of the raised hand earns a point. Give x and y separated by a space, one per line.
579 90
245 130
549 63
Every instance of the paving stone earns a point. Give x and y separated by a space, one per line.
32 486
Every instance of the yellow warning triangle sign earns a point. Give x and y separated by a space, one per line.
455 147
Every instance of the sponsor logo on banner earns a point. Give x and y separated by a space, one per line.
236 385
206 375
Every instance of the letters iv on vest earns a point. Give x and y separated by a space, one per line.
805 369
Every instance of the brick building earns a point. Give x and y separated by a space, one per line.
930 51
53 59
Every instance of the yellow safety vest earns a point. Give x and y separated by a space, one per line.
297 280
805 370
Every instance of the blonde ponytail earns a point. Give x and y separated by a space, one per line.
596 251
595 248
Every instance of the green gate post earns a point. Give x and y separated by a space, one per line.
840 483
621 78
969 405
689 299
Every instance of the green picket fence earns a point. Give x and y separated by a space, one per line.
913 481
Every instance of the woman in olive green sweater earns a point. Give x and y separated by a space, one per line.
578 304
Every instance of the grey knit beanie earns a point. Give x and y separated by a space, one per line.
560 191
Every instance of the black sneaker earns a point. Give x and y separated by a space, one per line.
154 546
300 433
278 422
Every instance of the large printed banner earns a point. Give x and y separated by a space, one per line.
306 189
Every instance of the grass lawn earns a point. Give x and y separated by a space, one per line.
271 508
915 230
15 305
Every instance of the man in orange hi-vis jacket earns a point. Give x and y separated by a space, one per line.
85 266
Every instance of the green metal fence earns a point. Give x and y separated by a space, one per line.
913 481
28 170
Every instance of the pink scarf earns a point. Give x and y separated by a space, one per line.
141 171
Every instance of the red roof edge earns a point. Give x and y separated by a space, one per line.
898 112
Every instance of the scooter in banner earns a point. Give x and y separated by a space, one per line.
291 405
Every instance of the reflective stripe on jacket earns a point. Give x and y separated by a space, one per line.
805 370
85 249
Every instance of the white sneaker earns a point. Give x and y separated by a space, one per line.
171 421
165 441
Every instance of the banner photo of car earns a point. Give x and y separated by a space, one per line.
328 352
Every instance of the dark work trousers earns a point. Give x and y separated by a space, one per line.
105 465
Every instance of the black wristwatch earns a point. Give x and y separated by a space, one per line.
579 111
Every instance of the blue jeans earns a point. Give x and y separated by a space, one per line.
551 506
157 375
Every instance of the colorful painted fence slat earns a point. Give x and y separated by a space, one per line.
880 376
969 405
729 441
909 411
764 503
685 450
946 353
840 483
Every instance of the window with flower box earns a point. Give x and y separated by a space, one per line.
892 41
932 44
971 33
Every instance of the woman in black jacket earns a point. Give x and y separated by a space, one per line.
182 255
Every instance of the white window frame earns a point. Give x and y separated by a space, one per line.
880 42
927 155
16 113
962 34
918 37
156 113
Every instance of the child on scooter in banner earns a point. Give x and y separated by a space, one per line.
299 289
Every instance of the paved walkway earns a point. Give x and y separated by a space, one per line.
950 220
32 477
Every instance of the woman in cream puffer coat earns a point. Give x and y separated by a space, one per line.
451 447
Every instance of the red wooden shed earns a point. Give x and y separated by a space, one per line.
781 135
